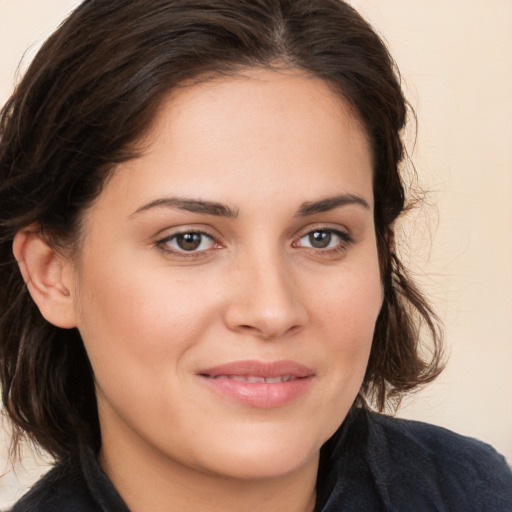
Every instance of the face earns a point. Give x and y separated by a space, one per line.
228 283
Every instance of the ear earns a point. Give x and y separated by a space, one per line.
48 277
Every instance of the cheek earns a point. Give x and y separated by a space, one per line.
352 301
347 312
139 334
132 319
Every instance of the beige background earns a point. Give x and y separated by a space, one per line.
456 60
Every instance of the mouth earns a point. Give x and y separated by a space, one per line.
283 370
259 384
255 379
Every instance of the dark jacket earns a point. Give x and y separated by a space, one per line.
373 463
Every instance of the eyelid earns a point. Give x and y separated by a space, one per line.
345 239
162 243
342 232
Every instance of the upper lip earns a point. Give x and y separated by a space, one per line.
254 368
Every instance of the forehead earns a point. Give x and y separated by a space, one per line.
261 133
257 96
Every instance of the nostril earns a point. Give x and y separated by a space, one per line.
293 329
268 333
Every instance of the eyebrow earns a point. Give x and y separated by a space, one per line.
191 205
330 203
222 210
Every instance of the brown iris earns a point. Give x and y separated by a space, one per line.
320 239
189 241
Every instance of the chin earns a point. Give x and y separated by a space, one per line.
264 466
275 455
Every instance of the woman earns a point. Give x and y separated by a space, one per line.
200 198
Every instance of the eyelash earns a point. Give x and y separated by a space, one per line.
344 241
164 246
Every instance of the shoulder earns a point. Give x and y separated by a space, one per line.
418 458
62 489
433 443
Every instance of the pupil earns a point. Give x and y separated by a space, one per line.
188 241
320 239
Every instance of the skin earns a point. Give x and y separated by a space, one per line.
258 286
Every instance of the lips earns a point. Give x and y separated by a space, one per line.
259 384
255 380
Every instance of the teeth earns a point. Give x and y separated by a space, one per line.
275 379
256 380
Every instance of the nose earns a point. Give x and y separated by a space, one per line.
265 301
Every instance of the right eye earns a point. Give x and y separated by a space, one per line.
187 242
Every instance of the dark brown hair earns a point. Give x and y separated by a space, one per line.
88 97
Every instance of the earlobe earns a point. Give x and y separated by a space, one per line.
47 276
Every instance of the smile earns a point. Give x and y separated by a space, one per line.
258 384
255 380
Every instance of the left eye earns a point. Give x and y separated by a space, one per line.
323 239
189 242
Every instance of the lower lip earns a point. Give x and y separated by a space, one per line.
264 395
